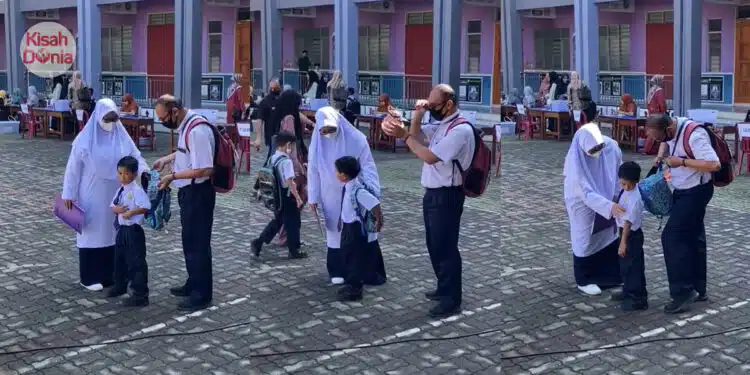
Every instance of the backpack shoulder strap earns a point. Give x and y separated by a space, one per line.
458 121
690 126
194 121
680 128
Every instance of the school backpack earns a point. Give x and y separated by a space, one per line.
656 192
723 176
225 164
268 185
365 217
158 216
477 176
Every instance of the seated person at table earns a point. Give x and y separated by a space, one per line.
384 103
129 106
353 107
627 106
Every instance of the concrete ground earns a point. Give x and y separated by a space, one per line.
518 288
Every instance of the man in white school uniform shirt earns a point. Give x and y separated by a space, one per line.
684 235
443 201
192 167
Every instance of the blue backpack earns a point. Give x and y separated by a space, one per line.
656 192
160 213
365 216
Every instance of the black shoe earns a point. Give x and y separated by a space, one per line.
179 291
349 294
297 254
634 306
433 295
702 297
617 297
679 305
444 310
190 305
116 292
134 301
375 282
256 246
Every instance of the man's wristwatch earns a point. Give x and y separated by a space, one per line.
684 162
173 177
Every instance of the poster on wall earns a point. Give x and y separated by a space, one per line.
712 89
470 90
369 85
212 89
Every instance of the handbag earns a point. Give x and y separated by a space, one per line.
656 192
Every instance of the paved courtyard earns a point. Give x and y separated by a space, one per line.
521 294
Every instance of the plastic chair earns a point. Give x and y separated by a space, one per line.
498 150
744 150
244 150
27 125
526 125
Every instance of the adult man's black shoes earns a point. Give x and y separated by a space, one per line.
179 291
189 305
680 305
444 310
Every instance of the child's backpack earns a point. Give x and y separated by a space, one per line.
268 185
723 176
656 192
477 176
160 213
365 217
225 164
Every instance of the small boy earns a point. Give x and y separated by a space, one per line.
353 233
130 204
632 265
290 202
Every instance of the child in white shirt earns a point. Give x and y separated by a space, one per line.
130 204
360 214
632 265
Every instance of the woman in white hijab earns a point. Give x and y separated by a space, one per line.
91 182
333 138
33 98
591 185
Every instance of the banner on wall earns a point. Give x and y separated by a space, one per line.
470 90
212 89
712 89
48 49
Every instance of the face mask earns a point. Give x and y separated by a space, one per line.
330 135
107 125
595 155
170 123
437 114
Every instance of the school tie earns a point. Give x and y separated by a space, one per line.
117 203
341 211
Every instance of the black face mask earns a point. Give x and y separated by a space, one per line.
437 113
170 123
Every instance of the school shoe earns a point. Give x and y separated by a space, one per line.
116 292
617 297
94 287
628 305
349 294
701 297
256 245
179 291
189 305
134 301
444 310
337 280
591 289
433 295
680 305
297 254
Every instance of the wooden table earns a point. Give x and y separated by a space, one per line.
625 130
142 127
61 117
538 113
508 111
558 119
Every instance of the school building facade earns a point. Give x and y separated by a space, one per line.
398 50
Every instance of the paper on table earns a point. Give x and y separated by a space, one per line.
73 218
243 128
79 114
25 108
498 131
744 130
521 109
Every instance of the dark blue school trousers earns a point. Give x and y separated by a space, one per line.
684 241
633 269
197 203
442 209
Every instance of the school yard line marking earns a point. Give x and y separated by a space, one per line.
37 366
645 335
397 336
22 222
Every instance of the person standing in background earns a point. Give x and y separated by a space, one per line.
337 94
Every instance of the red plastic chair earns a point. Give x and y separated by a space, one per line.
498 153
744 150
244 146
28 125
583 120
82 123
526 125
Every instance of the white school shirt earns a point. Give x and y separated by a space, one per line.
458 144
364 198
198 155
632 202
285 169
684 178
132 197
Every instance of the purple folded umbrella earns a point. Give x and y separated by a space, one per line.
71 217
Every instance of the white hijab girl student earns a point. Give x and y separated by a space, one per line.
590 187
33 98
91 182
335 137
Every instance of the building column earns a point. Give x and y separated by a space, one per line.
188 33
587 43
687 56
14 30
346 40
270 36
512 50
446 58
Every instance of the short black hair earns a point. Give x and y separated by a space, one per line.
316 64
630 171
348 166
351 91
304 51
129 163
658 121
282 139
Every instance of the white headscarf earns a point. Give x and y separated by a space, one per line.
103 149
575 80
33 98
76 82
594 174
234 85
347 141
